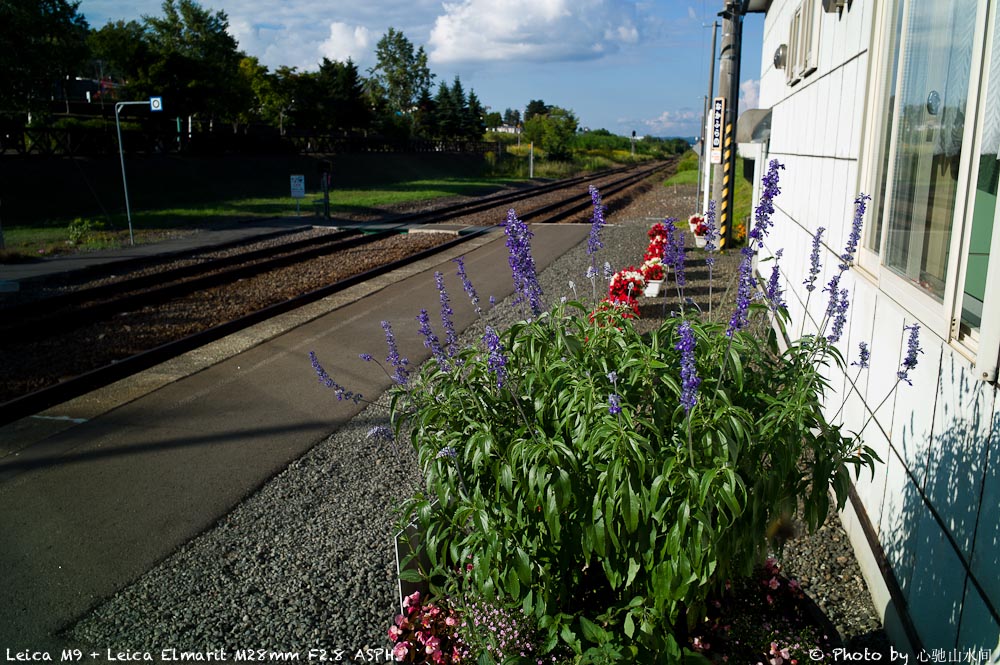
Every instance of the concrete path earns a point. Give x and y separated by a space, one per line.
109 485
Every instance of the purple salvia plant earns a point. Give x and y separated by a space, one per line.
431 340
814 265
597 223
775 296
447 317
522 265
912 349
324 378
711 236
855 236
379 433
864 355
755 240
467 285
839 317
400 375
496 361
614 405
689 373
765 208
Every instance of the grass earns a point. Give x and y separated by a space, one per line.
29 241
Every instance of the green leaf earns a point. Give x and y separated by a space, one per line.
410 575
523 565
629 626
633 568
592 632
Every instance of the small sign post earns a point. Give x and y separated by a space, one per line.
155 104
298 190
718 119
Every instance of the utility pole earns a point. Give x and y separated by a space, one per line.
729 77
705 152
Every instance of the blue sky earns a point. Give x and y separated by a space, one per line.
621 65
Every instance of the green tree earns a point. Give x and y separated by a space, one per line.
120 50
196 64
400 74
475 123
535 107
43 43
493 120
553 131
512 117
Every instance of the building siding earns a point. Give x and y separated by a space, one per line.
934 502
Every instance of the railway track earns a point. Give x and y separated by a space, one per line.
70 343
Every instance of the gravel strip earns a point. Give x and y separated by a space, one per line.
307 562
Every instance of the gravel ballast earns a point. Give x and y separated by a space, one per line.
307 562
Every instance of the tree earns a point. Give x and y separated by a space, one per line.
493 120
553 131
512 118
196 60
44 43
474 118
120 50
400 74
535 107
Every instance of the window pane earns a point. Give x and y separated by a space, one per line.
934 84
874 238
985 203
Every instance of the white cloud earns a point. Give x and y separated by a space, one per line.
531 30
749 95
683 122
347 42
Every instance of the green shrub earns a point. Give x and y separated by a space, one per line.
80 230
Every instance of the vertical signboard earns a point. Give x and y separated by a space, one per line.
718 124
298 186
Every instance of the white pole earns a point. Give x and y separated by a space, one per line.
531 160
121 154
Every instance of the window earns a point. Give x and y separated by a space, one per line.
933 165
803 41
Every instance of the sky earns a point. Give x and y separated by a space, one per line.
620 65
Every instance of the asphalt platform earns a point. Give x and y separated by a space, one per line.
96 491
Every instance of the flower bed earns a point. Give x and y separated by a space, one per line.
609 484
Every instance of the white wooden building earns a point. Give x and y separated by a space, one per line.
900 99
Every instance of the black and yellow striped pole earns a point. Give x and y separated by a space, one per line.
726 106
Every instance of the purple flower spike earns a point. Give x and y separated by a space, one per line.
450 336
594 241
712 235
775 295
679 258
765 207
814 266
864 355
852 240
400 376
431 340
496 362
324 378
689 373
522 265
467 285
912 349
614 405
839 317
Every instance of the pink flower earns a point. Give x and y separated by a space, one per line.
401 651
774 583
794 585
432 644
394 633
437 656
450 620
